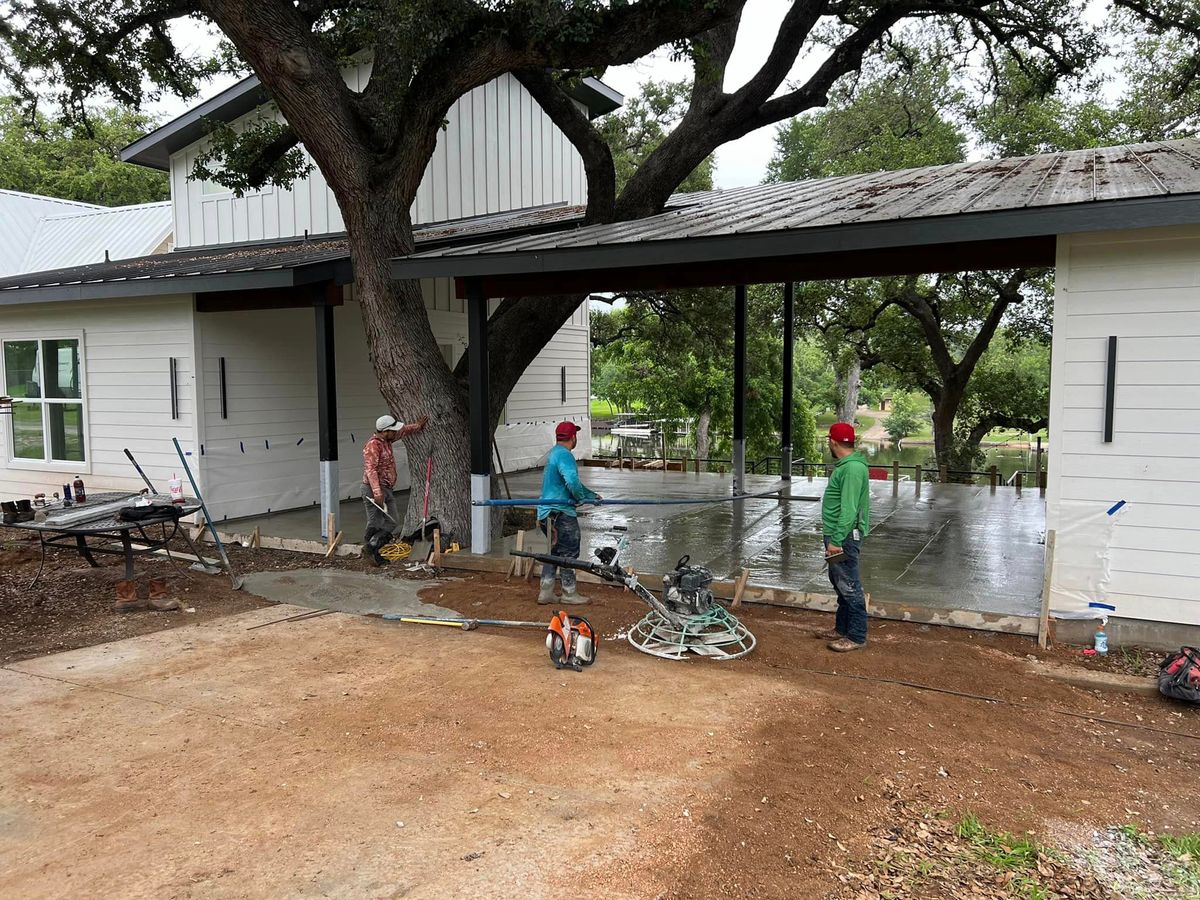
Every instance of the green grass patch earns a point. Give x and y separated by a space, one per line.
861 422
604 409
998 848
1185 848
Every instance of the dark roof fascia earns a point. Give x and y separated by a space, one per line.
165 285
142 287
1104 215
154 150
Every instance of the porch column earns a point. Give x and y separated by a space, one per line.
739 389
327 412
479 416
789 338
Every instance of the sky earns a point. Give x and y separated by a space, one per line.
739 163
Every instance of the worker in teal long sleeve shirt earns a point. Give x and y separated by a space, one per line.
559 519
846 520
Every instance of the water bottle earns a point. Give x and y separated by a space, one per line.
1101 644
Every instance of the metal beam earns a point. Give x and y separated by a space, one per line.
789 350
479 416
739 389
327 441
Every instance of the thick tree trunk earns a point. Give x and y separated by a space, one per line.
945 408
849 385
703 427
413 377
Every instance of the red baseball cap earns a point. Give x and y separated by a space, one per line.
842 432
565 430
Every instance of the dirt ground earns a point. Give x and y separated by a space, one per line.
71 605
350 757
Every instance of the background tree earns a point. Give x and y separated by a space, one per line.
373 146
904 419
74 161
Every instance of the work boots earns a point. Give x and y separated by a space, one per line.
25 511
572 597
127 597
546 593
160 598
9 511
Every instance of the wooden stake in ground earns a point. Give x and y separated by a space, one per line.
333 544
435 557
256 538
518 562
1044 617
740 588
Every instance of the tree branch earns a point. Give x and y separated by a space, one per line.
597 157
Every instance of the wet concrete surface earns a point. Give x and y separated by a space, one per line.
952 547
348 592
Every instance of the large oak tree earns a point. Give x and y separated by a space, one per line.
372 147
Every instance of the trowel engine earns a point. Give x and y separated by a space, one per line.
686 619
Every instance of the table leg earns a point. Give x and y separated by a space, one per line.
41 562
127 546
85 551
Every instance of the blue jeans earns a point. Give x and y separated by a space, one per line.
564 541
851 620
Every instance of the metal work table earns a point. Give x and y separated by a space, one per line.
97 535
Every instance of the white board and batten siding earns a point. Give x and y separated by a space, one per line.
1143 287
262 455
499 151
127 346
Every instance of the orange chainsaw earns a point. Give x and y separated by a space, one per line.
571 641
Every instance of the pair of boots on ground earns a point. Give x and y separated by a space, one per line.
158 597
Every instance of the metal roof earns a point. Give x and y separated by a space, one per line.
253 266
1016 199
20 214
86 237
155 149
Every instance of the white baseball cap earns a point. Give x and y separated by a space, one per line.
388 423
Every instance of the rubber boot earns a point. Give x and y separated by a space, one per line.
572 597
546 593
376 538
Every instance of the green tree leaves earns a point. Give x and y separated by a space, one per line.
41 156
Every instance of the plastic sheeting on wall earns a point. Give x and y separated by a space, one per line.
1079 583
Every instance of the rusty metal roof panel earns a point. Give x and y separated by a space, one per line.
1142 171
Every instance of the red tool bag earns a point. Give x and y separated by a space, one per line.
1179 675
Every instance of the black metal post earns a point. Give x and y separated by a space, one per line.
1110 389
739 389
327 441
479 416
789 338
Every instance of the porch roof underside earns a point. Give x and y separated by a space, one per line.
981 215
271 265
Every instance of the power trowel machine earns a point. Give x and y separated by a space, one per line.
685 619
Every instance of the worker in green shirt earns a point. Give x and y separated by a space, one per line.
846 519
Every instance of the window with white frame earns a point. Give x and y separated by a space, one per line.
46 376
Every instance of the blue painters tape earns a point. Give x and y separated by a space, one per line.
1096 605
1113 509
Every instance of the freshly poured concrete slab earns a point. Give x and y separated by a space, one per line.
348 592
952 547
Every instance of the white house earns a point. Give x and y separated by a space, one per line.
216 342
